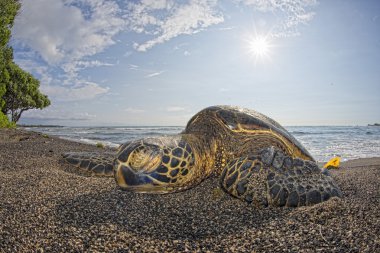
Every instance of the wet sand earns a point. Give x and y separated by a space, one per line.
46 208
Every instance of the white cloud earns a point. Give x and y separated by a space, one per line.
165 20
291 14
72 68
82 90
133 67
148 73
63 33
91 64
52 113
154 74
66 88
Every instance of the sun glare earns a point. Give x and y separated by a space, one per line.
259 47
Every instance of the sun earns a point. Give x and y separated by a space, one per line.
259 46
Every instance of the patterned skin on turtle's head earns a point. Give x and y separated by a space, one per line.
155 165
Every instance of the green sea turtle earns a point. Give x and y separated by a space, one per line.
257 160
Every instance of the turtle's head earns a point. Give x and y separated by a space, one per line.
155 165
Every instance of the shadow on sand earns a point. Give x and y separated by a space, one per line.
193 214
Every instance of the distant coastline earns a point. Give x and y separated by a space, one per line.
39 125
376 124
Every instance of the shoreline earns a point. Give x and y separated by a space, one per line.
323 144
113 146
44 207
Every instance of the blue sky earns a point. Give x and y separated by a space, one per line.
108 62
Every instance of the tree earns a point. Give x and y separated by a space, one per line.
22 93
19 90
8 11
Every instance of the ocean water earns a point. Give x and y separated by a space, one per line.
323 142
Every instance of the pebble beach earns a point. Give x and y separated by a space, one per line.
45 207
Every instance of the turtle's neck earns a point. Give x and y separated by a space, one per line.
205 150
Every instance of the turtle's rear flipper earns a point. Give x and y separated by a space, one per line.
98 164
272 178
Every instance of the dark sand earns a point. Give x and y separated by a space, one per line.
44 208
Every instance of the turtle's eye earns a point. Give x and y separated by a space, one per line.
145 158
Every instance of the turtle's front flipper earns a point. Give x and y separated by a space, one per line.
98 164
272 178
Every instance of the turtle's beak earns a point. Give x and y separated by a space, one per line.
126 177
